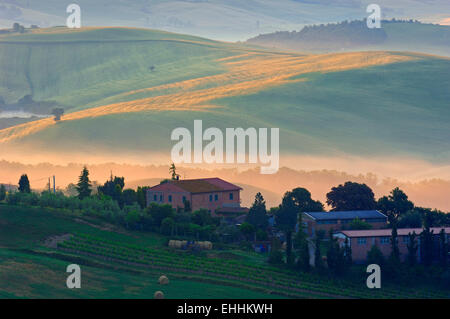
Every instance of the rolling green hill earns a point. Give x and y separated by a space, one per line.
82 69
363 104
373 103
28 269
219 19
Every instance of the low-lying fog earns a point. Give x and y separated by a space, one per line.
19 114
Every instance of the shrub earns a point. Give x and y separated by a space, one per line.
276 257
132 219
358 224
13 198
375 256
445 279
245 245
261 235
167 226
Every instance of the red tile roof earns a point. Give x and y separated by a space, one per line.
166 187
224 185
204 185
388 232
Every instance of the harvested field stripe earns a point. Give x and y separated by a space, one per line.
254 73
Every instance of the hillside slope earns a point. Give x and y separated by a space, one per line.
37 244
219 19
81 68
365 104
31 269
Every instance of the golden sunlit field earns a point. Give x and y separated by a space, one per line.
246 74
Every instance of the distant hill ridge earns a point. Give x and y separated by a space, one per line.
394 34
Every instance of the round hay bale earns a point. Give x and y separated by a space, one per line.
158 295
177 244
163 280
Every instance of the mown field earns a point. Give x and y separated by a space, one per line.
117 263
354 103
82 69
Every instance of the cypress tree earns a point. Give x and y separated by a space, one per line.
335 256
426 242
2 192
395 253
318 262
257 215
24 184
443 249
303 261
84 184
348 253
412 249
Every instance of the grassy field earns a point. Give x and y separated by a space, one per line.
81 69
350 103
28 269
25 275
38 224
117 263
